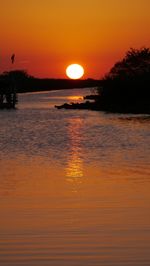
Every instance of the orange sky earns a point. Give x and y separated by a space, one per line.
48 35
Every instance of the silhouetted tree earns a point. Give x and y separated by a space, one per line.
16 74
127 85
18 79
135 63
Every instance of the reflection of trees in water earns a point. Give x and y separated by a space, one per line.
74 168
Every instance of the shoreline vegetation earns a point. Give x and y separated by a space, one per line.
18 81
124 89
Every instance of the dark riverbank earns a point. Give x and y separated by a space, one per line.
26 83
34 85
37 84
136 108
125 88
18 81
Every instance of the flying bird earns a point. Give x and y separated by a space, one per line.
13 58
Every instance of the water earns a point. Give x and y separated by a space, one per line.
74 185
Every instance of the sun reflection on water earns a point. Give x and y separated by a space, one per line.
75 97
74 167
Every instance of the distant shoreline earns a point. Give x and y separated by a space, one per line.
37 85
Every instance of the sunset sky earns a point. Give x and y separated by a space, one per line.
48 35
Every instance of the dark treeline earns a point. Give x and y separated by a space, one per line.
26 83
18 81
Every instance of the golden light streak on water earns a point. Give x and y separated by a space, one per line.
74 166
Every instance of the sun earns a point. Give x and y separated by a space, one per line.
74 71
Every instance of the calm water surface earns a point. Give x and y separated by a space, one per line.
74 185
